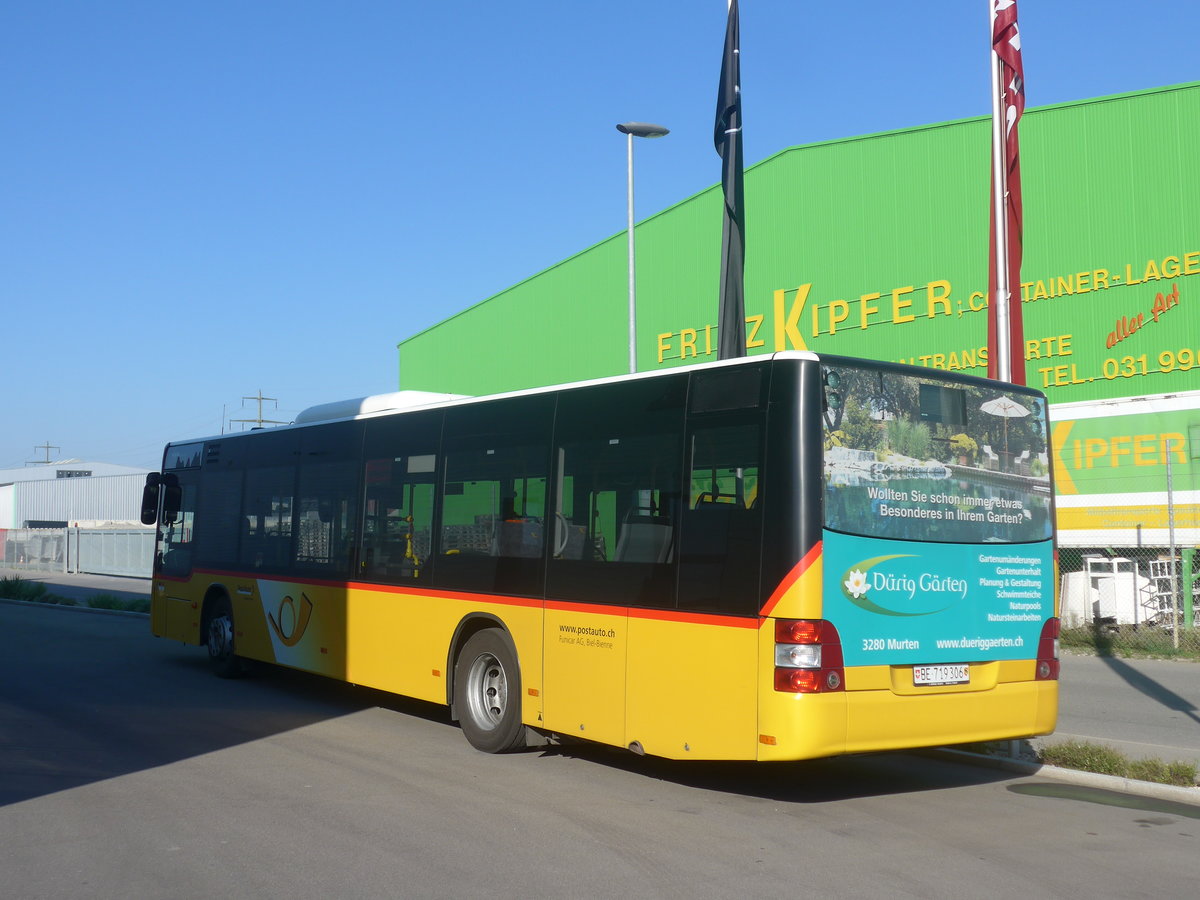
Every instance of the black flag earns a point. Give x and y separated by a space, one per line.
727 135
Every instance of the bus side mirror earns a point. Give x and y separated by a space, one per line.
150 499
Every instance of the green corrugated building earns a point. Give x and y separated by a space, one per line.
876 246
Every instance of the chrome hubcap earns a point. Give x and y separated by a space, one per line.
487 690
220 637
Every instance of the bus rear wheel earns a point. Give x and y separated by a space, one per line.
224 661
487 692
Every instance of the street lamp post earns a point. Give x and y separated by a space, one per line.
632 130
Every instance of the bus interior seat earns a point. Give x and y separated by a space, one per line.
644 538
709 499
569 539
518 537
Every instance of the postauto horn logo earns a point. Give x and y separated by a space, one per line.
900 585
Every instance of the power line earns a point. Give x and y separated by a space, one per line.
47 447
258 421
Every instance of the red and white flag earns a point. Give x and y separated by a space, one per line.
1004 264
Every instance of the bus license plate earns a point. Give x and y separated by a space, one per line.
934 675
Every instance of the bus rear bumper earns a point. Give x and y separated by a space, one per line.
809 726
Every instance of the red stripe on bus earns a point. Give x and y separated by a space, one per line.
661 615
414 590
671 615
664 615
791 578
258 576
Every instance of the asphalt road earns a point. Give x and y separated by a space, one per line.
126 770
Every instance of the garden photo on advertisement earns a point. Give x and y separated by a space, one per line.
917 459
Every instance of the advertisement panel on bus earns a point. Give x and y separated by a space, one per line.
938 540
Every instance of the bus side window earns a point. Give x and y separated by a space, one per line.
619 493
325 515
495 502
175 527
267 517
398 519
398 477
327 494
218 524
492 533
722 525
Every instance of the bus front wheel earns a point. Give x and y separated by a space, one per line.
219 637
487 692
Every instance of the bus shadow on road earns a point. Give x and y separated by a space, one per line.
292 699
810 781
106 700
98 699
284 699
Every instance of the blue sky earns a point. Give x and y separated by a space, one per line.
205 200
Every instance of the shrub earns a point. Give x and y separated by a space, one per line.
17 588
1177 773
907 438
110 601
1104 760
1085 756
964 445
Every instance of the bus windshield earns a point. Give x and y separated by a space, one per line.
929 459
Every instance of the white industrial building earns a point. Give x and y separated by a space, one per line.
71 493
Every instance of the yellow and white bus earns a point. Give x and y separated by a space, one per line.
772 558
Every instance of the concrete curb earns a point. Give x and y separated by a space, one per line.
1074 776
87 609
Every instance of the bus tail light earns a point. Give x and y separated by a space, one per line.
1047 655
808 657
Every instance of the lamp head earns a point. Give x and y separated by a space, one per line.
643 129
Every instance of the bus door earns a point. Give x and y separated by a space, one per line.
693 670
586 622
617 489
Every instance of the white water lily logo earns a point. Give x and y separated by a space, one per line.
894 585
856 583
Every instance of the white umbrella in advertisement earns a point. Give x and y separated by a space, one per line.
1007 408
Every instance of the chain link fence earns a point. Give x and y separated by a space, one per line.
35 549
1139 600
97 551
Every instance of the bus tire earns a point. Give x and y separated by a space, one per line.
218 635
487 692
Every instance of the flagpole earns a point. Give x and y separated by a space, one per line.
1000 300
727 139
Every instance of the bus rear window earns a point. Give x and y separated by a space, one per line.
917 458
